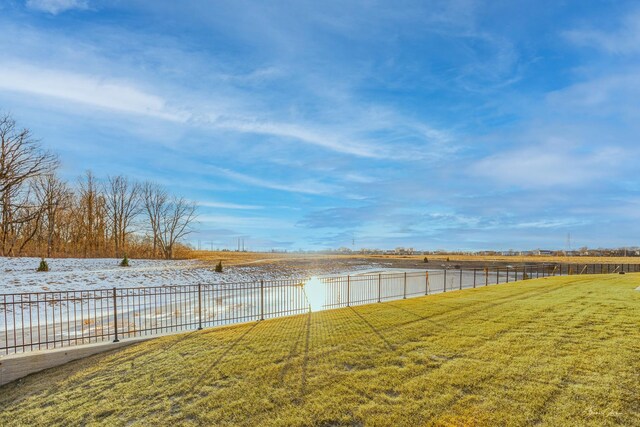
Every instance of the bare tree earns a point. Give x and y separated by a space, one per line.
53 196
91 221
174 222
122 205
21 160
154 200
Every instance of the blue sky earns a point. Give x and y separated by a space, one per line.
431 124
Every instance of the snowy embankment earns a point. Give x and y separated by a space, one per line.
19 275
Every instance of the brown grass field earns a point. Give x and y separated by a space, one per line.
245 258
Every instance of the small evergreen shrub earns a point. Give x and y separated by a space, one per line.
447 259
125 261
43 265
426 259
218 268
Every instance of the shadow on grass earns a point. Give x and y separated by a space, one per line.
219 359
305 360
373 329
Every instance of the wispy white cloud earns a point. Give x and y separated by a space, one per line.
225 205
624 40
304 134
341 126
306 186
127 97
55 7
244 222
561 223
549 164
613 93
85 89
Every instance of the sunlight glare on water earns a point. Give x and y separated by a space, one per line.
315 291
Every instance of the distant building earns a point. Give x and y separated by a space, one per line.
404 251
543 252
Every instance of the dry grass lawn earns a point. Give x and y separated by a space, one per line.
558 351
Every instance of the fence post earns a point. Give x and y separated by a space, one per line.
474 277
379 287
261 299
444 287
486 276
426 283
348 290
115 317
497 276
461 279
199 306
507 274
404 296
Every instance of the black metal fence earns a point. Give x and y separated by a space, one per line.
43 320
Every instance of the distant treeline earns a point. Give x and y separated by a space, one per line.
44 216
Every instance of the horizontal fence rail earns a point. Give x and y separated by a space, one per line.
44 320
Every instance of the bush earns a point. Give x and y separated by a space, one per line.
125 261
43 266
218 268
426 259
447 259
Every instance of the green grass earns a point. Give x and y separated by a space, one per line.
557 351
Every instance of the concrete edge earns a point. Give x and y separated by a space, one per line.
16 366
19 365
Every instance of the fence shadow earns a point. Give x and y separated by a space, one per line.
221 357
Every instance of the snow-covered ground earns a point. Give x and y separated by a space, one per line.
19 275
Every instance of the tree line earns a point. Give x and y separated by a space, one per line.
42 215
